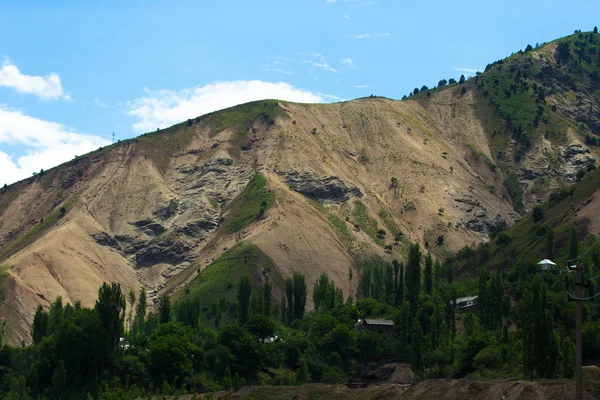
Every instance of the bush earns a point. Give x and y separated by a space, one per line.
503 239
538 213
580 174
463 90
334 376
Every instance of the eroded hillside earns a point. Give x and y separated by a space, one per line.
302 187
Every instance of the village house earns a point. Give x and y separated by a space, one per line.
375 325
469 303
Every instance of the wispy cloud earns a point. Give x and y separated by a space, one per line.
46 144
361 86
163 108
472 70
371 35
319 61
278 71
346 16
99 102
45 87
348 63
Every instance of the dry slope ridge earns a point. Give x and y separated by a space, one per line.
153 210
314 188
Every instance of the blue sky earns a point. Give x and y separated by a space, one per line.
73 72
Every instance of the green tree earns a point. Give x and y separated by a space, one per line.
428 274
461 80
140 312
595 29
302 374
567 358
59 379
528 48
170 353
550 243
131 299
413 277
164 309
299 295
110 307
535 321
267 291
573 244
416 345
18 389
289 291
40 325
243 296
442 82
389 284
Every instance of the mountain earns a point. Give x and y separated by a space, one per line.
270 188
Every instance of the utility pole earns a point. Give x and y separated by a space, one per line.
577 281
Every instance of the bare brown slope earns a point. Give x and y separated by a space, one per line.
147 212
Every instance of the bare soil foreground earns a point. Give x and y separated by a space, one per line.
430 389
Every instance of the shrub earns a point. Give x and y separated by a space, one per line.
62 210
314 131
580 174
538 213
440 240
451 81
503 239
463 90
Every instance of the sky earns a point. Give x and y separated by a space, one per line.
73 72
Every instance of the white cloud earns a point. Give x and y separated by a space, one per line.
318 61
163 108
46 144
278 71
346 16
99 102
361 86
45 87
472 70
371 35
348 63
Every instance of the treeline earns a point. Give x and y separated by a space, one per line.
522 328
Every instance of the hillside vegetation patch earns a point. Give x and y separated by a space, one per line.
250 205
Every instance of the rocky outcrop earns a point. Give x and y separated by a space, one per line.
199 229
576 157
149 227
477 218
166 250
165 212
104 239
321 189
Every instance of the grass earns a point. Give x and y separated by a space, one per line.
361 218
388 220
4 282
241 117
340 227
221 277
254 200
36 231
478 155
513 188
162 145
